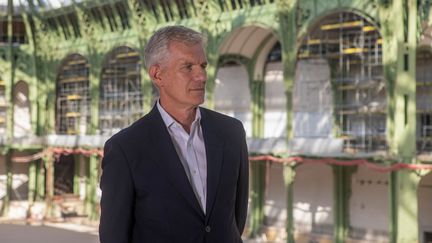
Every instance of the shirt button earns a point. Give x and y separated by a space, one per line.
207 229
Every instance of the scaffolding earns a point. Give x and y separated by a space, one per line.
120 94
73 98
424 104
353 48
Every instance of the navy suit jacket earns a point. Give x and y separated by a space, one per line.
147 197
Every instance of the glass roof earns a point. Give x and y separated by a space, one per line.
44 4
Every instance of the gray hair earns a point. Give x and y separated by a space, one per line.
157 47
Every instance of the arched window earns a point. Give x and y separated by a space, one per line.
22 124
424 104
73 98
275 115
231 94
120 91
352 47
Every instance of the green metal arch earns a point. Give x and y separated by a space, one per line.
314 20
226 34
424 48
63 61
240 59
107 55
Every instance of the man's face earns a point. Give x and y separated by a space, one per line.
182 76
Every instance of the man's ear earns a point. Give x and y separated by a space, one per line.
155 75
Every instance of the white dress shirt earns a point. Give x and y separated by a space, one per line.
190 149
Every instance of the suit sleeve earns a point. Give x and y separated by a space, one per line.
117 202
242 185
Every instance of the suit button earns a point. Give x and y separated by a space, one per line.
207 229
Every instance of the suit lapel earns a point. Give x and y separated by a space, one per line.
169 161
214 154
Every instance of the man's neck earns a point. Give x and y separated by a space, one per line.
183 115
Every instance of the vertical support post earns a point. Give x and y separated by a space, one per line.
342 192
92 182
9 178
10 70
287 21
399 57
76 178
258 171
49 185
393 207
32 182
289 175
403 207
40 180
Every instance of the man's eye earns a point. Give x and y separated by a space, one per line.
204 66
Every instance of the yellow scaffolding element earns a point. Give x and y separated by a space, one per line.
369 28
422 83
128 54
73 97
314 42
2 83
77 62
351 24
73 114
74 79
355 50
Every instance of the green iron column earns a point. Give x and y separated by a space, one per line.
205 11
9 178
9 113
403 207
40 180
92 182
287 21
32 182
77 174
49 185
258 168
342 192
399 30
258 179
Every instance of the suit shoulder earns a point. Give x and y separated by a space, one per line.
134 131
222 120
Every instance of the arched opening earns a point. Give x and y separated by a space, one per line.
424 104
120 90
22 123
231 94
424 194
244 46
347 48
73 96
275 115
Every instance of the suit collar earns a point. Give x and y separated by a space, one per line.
214 144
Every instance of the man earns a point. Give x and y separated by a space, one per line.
180 173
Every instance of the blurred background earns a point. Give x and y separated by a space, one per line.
335 97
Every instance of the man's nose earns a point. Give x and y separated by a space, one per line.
200 74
